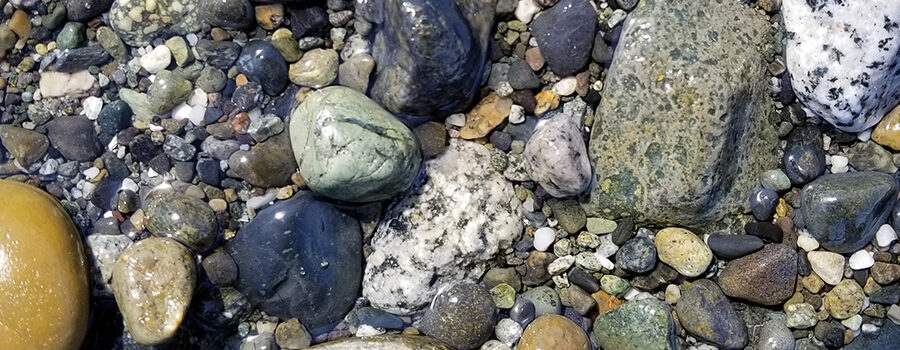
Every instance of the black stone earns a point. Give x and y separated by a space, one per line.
219 54
248 96
160 163
565 34
209 170
114 117
300 258
262 63
73 60
803 266
106 193
522 311
661 276
733 246
804 158
583 279
220 268
228 14
831 333
601 53
83 10
704 311
638 255
765 230
184 171
762 204
143 149
623 232
377 318
74 137
521 76
887 295
308 20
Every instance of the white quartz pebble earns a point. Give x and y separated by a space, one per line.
543 238
861 260
566 86
885 236
92 106
156 60
807 243
829 266
839 164
526 9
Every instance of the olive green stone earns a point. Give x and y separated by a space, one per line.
56 15
180 50
140 107
167 91
211 79
569 214
349 148
285 43
111 42
645 324
176 215
614 285
504 296
71 35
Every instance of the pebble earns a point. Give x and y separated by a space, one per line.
766 230
153 282
800 316
807 243
887 132
228 14
565 34
385 342
683 250
775 335
775 180
829 266
45 285
765 277
525 10
508 331
222 54
81 58
354 73
178 216
58 84
167 91
861 260
83 10
804 157
762 204
180 51
845 299
885 236
269 16
112 43
706 313
545 299
488 114
139 22
733 246
70 36
556 156
220 268
869 156
504 296
614 285
638 324
157 59
553 332
74 137
463 316
26 146
262 63
317 68
543 238
637 255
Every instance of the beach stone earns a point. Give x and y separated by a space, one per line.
157 59
26 146
565 35
317 68
683 250
228 14
487 115
219 54
553 332
827 265
504 296
775 180
104 252
167 91
180 51
845 299
268 164
70 36
111 42
637 255
137 22
733 246
114 117
522 311
74 137
638 324
429 70
885 273
537 268
706 313
653 177
508 331
262 63
774 335
77 59
463 316
847 208
83 10
57 84
765 277
211 79
569 215
762 204
556 156
846 77
869 156
354 73
153 282
545 300
804 156
800 316
885 339
45 289
186 219
315 274
887 132
385 342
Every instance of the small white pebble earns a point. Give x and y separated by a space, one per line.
561 265
516 114
261 201
192 39
457 119
92 106
504 89
894 314
198 98
885 236
368 331
543 238
181 112
853 323
839 164
197 114
861 260
566 86
869 328
156 60
129 184
91 172
525 10
807 243
864 136
630 294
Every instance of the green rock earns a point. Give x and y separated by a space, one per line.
600 225
190 72
614 285
167 91
211 79
140 106
707 314
504 296
650 160
26 146
186 219
569 213
180 50
775 180
7 38
111 42
870 156
71 35
349 148
545 299
645 324
56 15
285 43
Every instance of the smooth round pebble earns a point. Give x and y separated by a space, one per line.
885 236
463 316
553 332
543 238
683 250
861 260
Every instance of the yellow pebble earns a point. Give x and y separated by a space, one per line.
783 208
546 100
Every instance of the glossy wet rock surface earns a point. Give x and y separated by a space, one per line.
175 215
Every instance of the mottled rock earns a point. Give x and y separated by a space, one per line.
565 35
869 156
365 155
228 14
219 54
262 63
647 155
178 216
827 265
77 59
268 164
487 115
83 10
845 300
462 315
140 21
317 68
545 300
557 157
167 91
640 324
637 255
553 332
706 313
765 277
683 250
804 156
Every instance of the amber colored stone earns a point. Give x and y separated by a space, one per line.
487 115
20 24
782 209
546 100
270 16
240 80
553 332
605 302
887 132
44 294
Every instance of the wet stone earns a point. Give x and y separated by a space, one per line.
765 277
683 250
83 10
706 313
565 35
219 54
167 91
553 332
545 299
73 60
462 316
804 158
557 157
262 63
733 246
640 324
74 137
176 215
26 146
228 14
637 255
114 117
138 23
765 230
762 204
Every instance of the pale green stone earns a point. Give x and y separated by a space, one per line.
600 225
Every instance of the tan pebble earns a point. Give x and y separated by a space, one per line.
270 16
285 192
887 132
534 58
488 114
20 24
546 100
218 205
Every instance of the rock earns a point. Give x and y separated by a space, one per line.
219 54
885 273
683 250
847 79
774 335
307 20
186 219
569 214
432 138
111 43
765 277
228 14
638 324
647 161
869 156
211 79
368 155
845 299
508 331
887 132
73 60
26 146
153 282
180 51
269 16
83 10
543 238
74 138
104 252
565 35
523 311
45 286
800 316
487 115
577 299
58 84
114 117
220 268
706 313
556 156
504 296
167 91
317 68
262 63
861 260
637 255
762 204
496 276
775 180
385 342
157 59
70 36
138 21
553 332
886 338
434 69
463 316
268 164
354 73
848 208
545 300
733 246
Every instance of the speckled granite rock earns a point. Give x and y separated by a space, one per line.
447 230
462 315
350 149
844 59
845 210
140 21
430 54
385 342
706 313
556 156
645 324
646 152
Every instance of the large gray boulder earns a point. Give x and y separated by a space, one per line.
685 123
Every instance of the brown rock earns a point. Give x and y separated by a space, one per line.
546 100
26 146
536 268
576 298
534 58
887 132
553 332
268 164
605 302
432 137
487 115
765 277
885 273
270 16
291 335
20 24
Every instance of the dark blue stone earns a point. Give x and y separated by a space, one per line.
638 255
114 117
430 54
733 246
843 211
300 258
73 60
106 192
887 338
262 63
895 217
307 20
219 54
209 170
522 311
228 14
584 280
565 34
378 318
888 295
583 322
248 96
804 157
762 204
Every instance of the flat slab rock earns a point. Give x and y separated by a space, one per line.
446 231
844 58
682 131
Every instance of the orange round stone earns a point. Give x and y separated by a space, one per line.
44 293
553 332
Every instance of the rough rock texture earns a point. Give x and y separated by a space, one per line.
641 324
650 162
766 277
556 157
886 339
430 54
350 149
385 342
462 315
447 230
844 59
140 21
706 313
300 258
